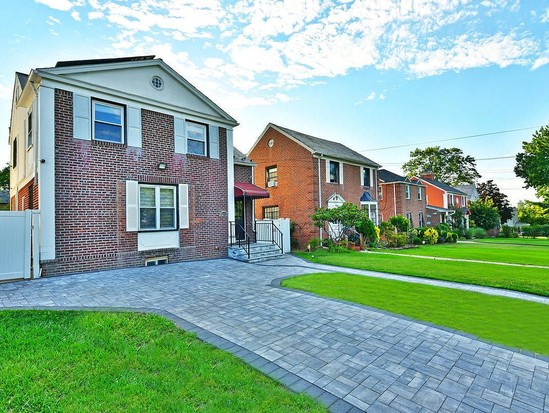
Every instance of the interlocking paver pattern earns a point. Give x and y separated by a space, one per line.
350 357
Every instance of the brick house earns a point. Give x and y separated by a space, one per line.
400 195
442 200
303 172
128 163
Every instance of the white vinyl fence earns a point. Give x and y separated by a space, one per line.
283 224
19 249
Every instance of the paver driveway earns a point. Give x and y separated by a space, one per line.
350 357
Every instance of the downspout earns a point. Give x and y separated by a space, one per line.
253 200
377 195
37 134
319 193
395 197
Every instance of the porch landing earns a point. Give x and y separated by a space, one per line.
259 251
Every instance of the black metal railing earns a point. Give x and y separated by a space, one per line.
239 236
267 231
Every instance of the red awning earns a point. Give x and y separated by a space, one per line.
245 190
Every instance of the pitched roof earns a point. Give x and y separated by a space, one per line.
466 189
388 176
22 78
443 186
327 148
240 158
86 62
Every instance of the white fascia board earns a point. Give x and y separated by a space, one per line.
55 72
128 99
333 158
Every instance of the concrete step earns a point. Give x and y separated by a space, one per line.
258 252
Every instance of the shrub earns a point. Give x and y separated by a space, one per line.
421 231
400 223
442 236
341 246
476 233
509 232
314 243
443 227
367 228
385 227
534 231
396 240
453 237
430 236
417 241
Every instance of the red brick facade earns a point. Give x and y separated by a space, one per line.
90 195
296 193
392 201
25 200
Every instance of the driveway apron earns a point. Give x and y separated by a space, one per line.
350 357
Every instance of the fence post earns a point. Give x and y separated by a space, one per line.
35 228
27 253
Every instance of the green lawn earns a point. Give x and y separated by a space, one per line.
531 280
515 323
524 254
542 242
124 362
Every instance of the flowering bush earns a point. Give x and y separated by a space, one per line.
430 236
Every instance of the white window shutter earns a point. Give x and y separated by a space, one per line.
214 142
341 172
132 206
183 206
180 137
327 170
81 115
134 127
372 176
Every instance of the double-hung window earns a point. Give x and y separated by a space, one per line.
29 130
407 191
419 193
366 177
108 122
334 172
271 176
197 138
157 207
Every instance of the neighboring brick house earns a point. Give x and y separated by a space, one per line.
442 200
400 195
303 172
129 164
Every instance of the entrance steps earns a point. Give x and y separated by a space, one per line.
258 252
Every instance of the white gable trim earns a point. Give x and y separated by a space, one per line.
270 125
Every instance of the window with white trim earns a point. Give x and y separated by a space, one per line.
421 220
334 172
29 129
419 193
271 176
157 207
407 191
271 212
108 122
409 218
14 154
380 192
197 138
366 181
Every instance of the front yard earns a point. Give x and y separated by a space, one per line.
123 362
525 279
515 323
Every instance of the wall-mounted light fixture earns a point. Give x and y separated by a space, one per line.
162 165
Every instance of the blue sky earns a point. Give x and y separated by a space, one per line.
370 74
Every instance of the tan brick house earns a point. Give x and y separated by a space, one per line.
128 163
400 195
303 172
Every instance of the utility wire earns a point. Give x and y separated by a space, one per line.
450 139
476 159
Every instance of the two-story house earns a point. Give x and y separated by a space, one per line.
303 172
128 163
442 200
400 195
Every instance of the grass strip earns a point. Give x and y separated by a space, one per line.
530 280
510 322
69 361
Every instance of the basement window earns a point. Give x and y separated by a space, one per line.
150 262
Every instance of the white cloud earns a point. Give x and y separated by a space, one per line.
95 15
371 96
53 21
62 5
76 16
542 60
545 16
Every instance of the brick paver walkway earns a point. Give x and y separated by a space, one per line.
350 357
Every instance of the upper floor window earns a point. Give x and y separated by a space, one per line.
108 122
407 191
419 193
271 212
366 177
271 176
450 200
197 138
14 154
29 129
334 172
380 192
156 207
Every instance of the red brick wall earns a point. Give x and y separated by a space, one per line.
403 205
297 191
24 192
90 195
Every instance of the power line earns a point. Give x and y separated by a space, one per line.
477 159
450 139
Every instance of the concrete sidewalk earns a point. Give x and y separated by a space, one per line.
350 357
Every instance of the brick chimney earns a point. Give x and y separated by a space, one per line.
428 175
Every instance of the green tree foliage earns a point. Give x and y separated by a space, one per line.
449 165
484 214
5 177
489 190
400 223
366 227
533 213
533 164
344 216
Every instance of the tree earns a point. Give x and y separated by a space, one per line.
533 164
484 214
489 190
448 165
533 213
5 177
337 219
